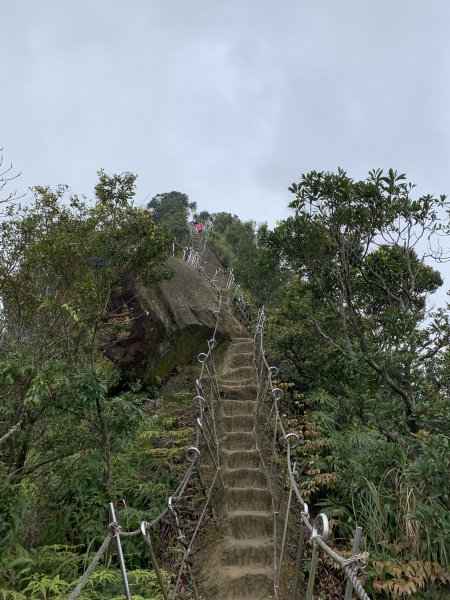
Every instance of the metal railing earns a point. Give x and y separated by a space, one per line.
203 456
223 279
274 443
272 434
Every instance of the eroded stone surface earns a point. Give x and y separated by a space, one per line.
172 321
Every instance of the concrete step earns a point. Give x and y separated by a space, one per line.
244 390
248 498
237 407
244 583
248 524
243 372
237 423
240 459
242 359
245 477
239 440
257 552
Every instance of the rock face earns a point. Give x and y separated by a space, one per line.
170 323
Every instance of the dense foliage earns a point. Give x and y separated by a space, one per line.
66 420
370 365
242 247
365 362
172 210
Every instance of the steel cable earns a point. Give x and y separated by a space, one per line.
265 390
91 568
265 385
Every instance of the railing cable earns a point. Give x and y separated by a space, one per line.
268 422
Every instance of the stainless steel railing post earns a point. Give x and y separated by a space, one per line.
123 569
355 549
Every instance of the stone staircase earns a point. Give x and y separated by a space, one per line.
197 242
242 566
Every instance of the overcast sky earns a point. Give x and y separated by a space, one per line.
225 100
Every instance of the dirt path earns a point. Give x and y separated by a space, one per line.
242 565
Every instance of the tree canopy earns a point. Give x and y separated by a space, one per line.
356 334
62 262
171 209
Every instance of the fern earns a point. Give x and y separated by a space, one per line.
107 584
43 587
11 595
408 578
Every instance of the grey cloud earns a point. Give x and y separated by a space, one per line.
226 101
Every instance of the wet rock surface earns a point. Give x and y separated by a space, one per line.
171 323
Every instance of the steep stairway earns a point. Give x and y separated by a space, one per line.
242 568
198 242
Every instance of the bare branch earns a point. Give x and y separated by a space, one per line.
6 176
9 433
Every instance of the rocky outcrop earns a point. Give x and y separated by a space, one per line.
170 323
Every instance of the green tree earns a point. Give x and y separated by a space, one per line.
355 246
203 216
355 334
242 245
62 263
171 209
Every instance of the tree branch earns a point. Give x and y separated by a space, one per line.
11 432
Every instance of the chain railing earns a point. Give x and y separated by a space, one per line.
203 457
223 279
274 443
272 434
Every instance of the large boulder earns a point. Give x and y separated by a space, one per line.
169 323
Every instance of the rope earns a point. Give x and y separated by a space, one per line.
361 558
265 385
205 405
91 568
358 588
188 549
193 258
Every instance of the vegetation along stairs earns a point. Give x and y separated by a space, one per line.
242 566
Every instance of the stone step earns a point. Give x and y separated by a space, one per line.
245 477
238 382
257 552
242 372
248 524
244 559
237 459
237 423
244 583
242 359
239 440
242 347
240 390
248 498
237 407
